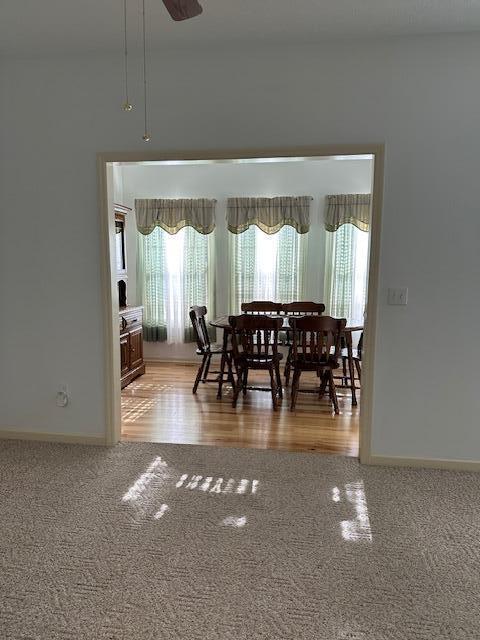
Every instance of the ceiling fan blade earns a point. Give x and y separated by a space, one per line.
183 9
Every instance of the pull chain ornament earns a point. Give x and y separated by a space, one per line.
146 136
126 106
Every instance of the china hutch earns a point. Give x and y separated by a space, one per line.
130 318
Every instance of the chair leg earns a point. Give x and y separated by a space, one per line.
295 385
222 363
199 374
323 384
220 377
344 367
237 386
230 377
207 368
273 386
333 392
358 367
288 366
351 371
279 380
245 381
236 377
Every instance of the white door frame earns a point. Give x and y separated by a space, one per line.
110 304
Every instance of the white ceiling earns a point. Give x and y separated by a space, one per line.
30 26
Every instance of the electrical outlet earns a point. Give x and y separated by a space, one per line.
398 296
62 395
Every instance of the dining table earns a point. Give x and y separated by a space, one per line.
221 322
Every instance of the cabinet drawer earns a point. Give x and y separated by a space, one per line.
130 319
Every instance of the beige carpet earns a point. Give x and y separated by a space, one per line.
147 542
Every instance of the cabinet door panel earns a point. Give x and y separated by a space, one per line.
136 348
124 354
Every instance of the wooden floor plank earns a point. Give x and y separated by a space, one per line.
160 407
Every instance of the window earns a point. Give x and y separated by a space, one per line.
266 267
346 273
177 275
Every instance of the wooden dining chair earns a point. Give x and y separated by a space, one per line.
255 346
264 307
207 350
303 308
316 347
357 361
299 308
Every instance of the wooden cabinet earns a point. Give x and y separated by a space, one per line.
131 344
136 348
131 340
124 354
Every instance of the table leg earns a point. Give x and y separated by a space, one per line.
351 368
222 363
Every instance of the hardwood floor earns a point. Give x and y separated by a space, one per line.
160 407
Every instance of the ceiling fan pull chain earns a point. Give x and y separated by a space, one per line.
179 10
146 136
126 106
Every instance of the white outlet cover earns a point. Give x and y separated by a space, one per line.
398 296
62 395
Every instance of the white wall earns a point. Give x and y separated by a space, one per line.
418 95
315 178
117 179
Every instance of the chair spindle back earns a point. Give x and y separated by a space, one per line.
317 339
255 336
197 317
261 307
303 308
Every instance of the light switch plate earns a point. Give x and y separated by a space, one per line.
398 296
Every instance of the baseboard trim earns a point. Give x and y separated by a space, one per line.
155 361
6 434
425 463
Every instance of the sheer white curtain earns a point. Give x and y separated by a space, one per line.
175 309
174 273
175 265
266 251
266 266
267 248
347 222
346 273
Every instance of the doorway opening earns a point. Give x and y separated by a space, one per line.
223 233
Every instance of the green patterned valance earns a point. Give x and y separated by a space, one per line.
175 214
269 214
348 208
